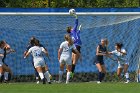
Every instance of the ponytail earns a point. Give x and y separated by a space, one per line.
69 39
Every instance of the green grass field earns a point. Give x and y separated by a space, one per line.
92 87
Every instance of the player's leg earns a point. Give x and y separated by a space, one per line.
38 67
103 71
36 74
68 67
46 73
47 69
7 73
61 71
68 73
40 72
1 73
138 75
99 67
126 73
119 71
75 58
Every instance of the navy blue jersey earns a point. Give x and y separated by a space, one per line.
101 50
4 55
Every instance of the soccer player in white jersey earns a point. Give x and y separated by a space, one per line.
123 63
64 56
38 60
31 44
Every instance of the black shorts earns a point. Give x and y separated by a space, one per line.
97 60
78 48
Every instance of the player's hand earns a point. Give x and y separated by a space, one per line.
80 27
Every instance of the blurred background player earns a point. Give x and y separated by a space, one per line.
138 74
101 51
75 35
31 44
7 71
38 60
64 56
123 63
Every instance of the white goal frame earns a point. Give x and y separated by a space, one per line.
66 13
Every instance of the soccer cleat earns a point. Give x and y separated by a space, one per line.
127 81
37 82
49 83
5 81
98 82
59 82
67 82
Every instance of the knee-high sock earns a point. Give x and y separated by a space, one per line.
46 74
103 75
73 68
60 75
100 76
68 76
127 76
6 75
37 75
41 75
1 77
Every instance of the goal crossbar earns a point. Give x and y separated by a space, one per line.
66 13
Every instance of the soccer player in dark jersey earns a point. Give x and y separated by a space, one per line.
4 69
31 44
75 35
7 71
101 51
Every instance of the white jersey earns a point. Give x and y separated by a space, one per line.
36 52
120 56
67 50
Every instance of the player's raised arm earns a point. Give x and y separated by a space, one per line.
27 54
76 23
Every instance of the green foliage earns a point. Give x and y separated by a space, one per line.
69 3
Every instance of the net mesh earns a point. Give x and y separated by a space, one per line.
50 30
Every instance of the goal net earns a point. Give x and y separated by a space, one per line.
49 28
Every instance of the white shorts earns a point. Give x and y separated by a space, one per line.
121 65
39 63
65 60
1 63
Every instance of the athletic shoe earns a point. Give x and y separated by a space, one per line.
37 82
67 82
127 81
49 83
98 82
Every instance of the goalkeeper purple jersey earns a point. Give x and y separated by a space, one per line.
76 34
